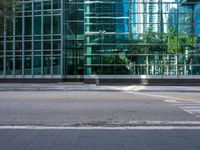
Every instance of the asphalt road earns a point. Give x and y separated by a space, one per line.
85 108
84 120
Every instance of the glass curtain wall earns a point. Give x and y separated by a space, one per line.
104 37
142 37
34 46
74 37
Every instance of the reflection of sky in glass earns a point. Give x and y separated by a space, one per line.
197 19
122 15
139 17
160 16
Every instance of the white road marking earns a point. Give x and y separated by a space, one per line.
152 95
179 103
193 110
171 101
188 127
183 101
191 107
187 104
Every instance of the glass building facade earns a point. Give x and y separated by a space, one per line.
34 46
85 38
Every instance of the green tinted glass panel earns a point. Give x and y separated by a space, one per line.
47 25
37 25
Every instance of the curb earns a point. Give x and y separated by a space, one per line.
103 90
142 123
106 125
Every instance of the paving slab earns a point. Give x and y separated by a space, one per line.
102 139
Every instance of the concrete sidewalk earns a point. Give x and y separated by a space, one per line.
99 139
78 86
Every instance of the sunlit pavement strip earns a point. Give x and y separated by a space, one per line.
163 97
152 95
191 107
98 128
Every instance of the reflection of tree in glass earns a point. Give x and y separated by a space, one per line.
179 43
119 59
6 15
153 41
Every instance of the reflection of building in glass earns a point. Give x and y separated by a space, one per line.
188 16
197 24
197 20
173 18
122 15
154 15
133 19
170 17
72 39
122 19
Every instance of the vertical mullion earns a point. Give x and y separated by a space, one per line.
51 38
4 43
147 63
23 33
32 53
84 49
176 56
14 20
42 37
62 58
